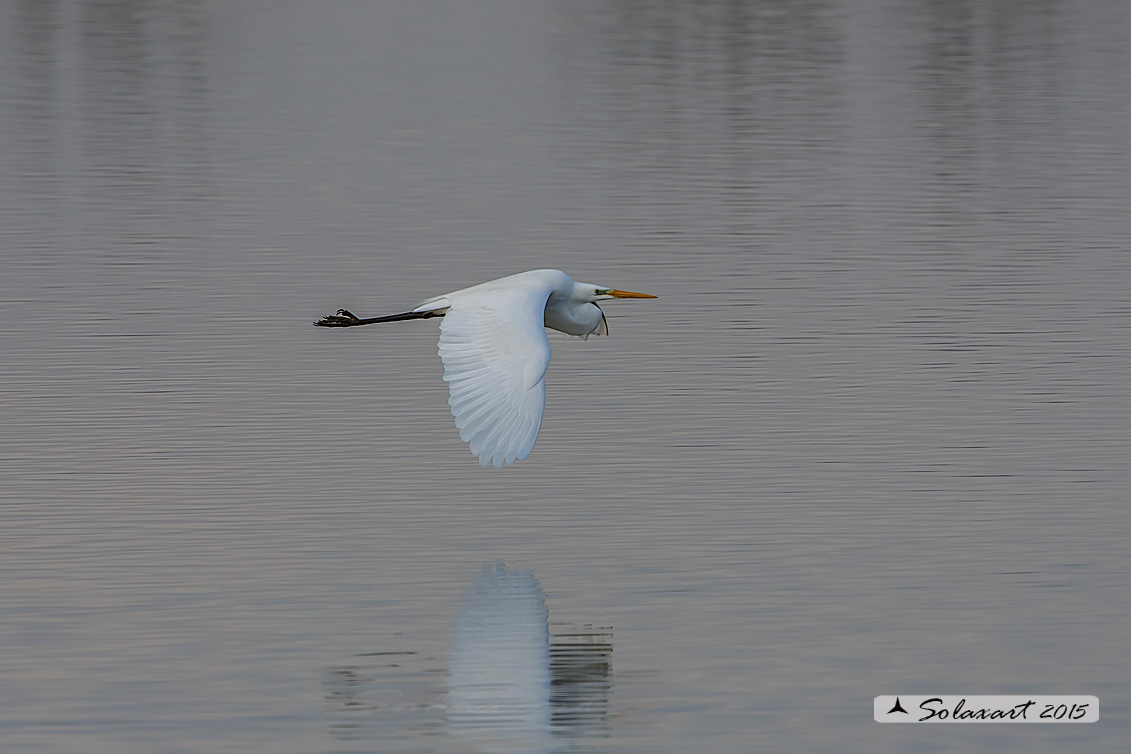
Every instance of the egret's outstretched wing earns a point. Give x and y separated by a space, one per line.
493 345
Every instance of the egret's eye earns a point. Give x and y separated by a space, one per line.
597 291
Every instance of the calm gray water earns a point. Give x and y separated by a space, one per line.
872 438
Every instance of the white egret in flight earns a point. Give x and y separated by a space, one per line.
495 353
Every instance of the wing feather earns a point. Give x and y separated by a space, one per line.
495 353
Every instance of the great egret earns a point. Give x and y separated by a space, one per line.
495 353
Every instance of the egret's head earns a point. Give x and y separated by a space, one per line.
600 293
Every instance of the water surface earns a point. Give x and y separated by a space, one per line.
872 438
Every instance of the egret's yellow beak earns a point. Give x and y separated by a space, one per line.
628 294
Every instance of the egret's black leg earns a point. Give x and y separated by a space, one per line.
346 318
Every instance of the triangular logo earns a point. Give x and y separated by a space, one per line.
898 708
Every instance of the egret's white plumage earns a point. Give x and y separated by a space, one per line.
495 353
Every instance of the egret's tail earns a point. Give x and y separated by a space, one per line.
346 318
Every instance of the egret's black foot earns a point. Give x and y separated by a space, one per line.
344 318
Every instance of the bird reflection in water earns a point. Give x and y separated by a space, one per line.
499 666
581 661
510 684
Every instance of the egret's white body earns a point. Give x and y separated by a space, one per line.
495 353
